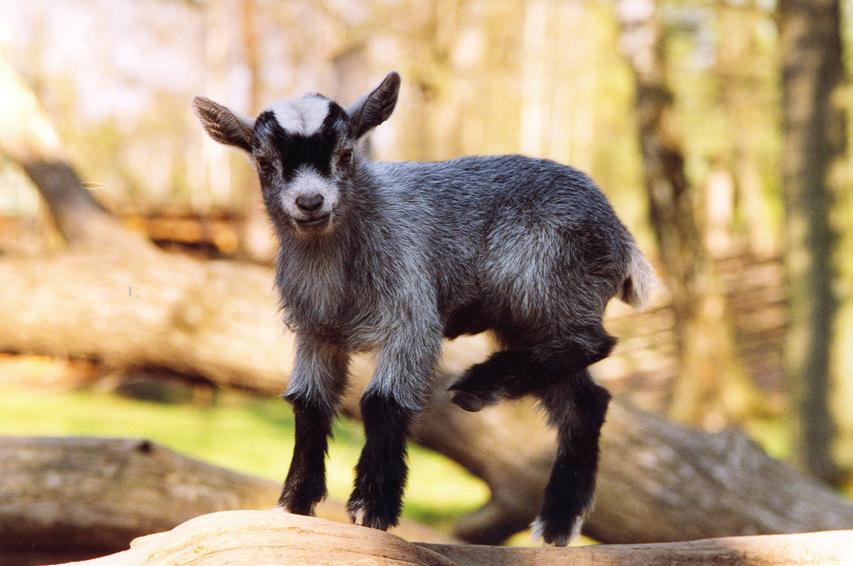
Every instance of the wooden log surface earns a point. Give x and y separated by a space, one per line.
276 537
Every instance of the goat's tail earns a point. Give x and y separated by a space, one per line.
640 280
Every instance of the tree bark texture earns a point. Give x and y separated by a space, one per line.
77 496
274 537
257 238
712 383
814 141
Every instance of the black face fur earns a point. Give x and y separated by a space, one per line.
292 165
320 150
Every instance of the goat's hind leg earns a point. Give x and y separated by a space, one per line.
577 408
513 373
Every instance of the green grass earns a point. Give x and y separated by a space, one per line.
774 436
239 432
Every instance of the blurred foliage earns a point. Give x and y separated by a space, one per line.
479 77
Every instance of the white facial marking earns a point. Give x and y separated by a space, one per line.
309 182
302 116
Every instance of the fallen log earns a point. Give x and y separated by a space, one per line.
91 496
275 537
114 297
658 481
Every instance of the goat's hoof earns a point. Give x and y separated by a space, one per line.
477 388
306 509
301 501
558 533
470 394
472 401
360 515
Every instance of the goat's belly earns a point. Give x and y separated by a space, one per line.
470 318
363 342
343 333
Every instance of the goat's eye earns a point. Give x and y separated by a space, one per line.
345 156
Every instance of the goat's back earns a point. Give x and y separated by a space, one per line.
537 238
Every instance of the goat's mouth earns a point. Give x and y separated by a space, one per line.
314 222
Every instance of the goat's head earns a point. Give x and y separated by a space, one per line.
303 150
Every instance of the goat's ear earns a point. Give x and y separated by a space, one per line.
222 124
374 108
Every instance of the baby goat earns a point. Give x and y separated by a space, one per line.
393 257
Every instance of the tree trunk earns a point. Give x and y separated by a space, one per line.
351 72
745 98
92 496
712 386
274 537
28 138
133 305
536 98
814 143
84 496
257 238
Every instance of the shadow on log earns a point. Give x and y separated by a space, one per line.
275 537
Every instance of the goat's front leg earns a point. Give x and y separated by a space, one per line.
395 395
318 379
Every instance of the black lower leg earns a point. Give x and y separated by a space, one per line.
488 382
377 496
514 373
570 489
306 479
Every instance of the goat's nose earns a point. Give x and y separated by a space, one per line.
309 203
